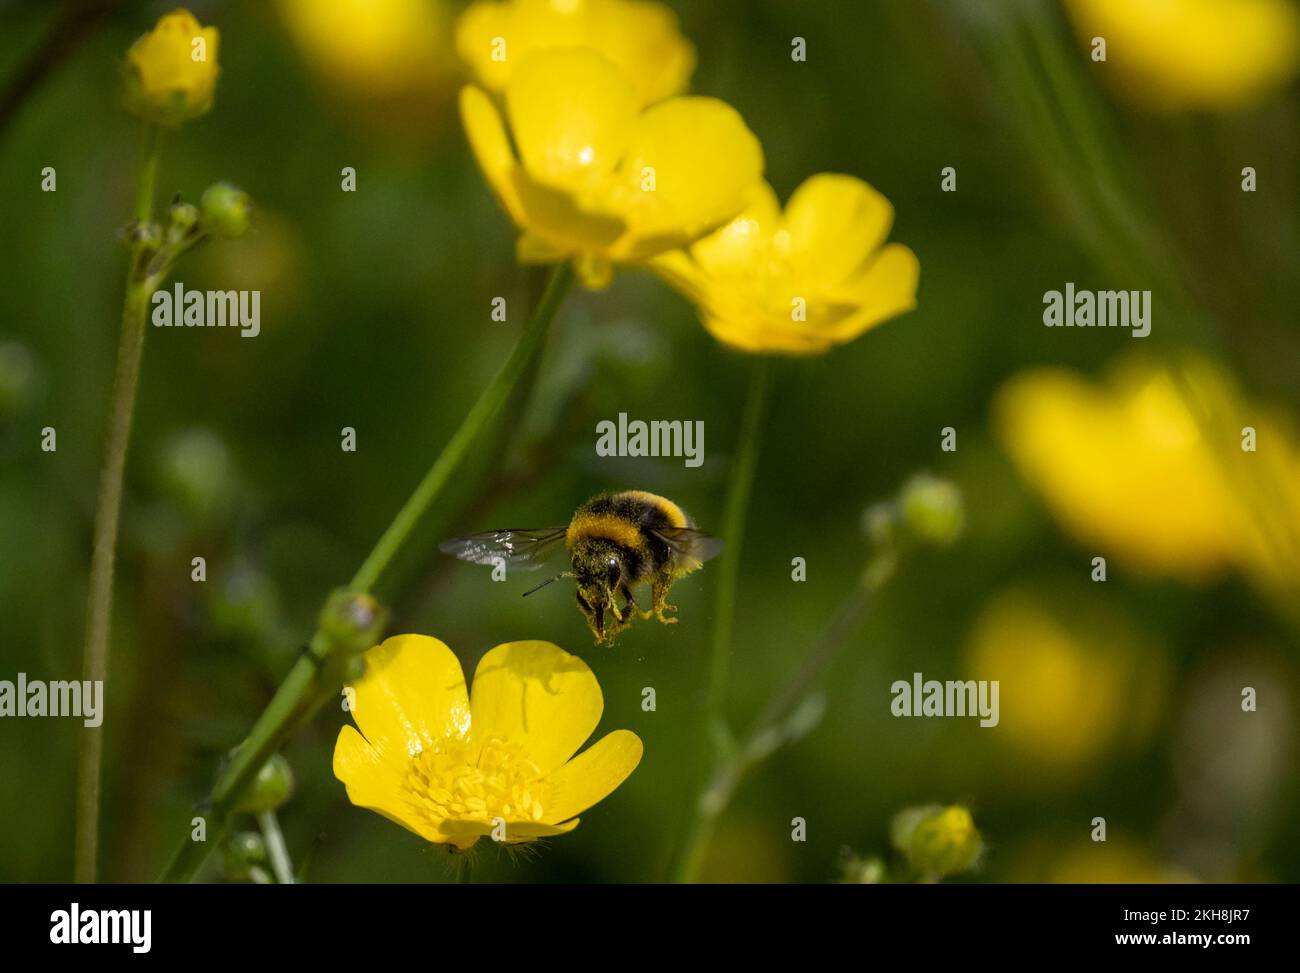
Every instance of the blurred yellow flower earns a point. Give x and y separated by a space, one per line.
801 281
172 70
383 49
1149 468
1112 862
1216 54
498 762
640 38
597 180
1074 684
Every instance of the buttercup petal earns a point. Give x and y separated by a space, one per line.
572 115
373 783
464 832
740 248
887 288
692 166
491 147
835 223
538 695
593 775
412 694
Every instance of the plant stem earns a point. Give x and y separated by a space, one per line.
733 526
731 767
275 847
108 506
303 690
489 403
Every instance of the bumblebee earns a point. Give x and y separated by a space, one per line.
615 542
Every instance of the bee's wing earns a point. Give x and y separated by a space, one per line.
689 542
526 549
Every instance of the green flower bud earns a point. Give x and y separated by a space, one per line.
937 841
351 623
225 210
244 852
862 871
184 217
932 508
272 786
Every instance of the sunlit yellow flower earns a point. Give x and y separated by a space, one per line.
1215 54
500 761
597 180
1075 682
801 281
172 70
385 49
640 38
1149 468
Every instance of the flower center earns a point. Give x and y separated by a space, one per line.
459 780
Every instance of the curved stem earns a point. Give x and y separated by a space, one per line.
733 526
489 403
108 506
303 691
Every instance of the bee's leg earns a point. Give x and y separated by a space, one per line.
632 602
659 593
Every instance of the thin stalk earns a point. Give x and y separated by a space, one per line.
733 526
276 849
108 507
732 767
303 691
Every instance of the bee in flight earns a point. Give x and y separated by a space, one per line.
615 542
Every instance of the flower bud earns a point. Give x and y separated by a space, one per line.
272 786
937 841
172 70
244 852
351 623
932 508
225 210
184 216
861 871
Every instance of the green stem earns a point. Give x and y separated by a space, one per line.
304 689
108 507
732 767
733 526
144 185
399 531
275 847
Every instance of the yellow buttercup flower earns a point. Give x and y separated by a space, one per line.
640 38
597 180
388 49
172 70
1076 684
801 281
1150 468
1216 54
497 762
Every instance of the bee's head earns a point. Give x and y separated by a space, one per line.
598 569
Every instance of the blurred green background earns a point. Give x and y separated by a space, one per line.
375 315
